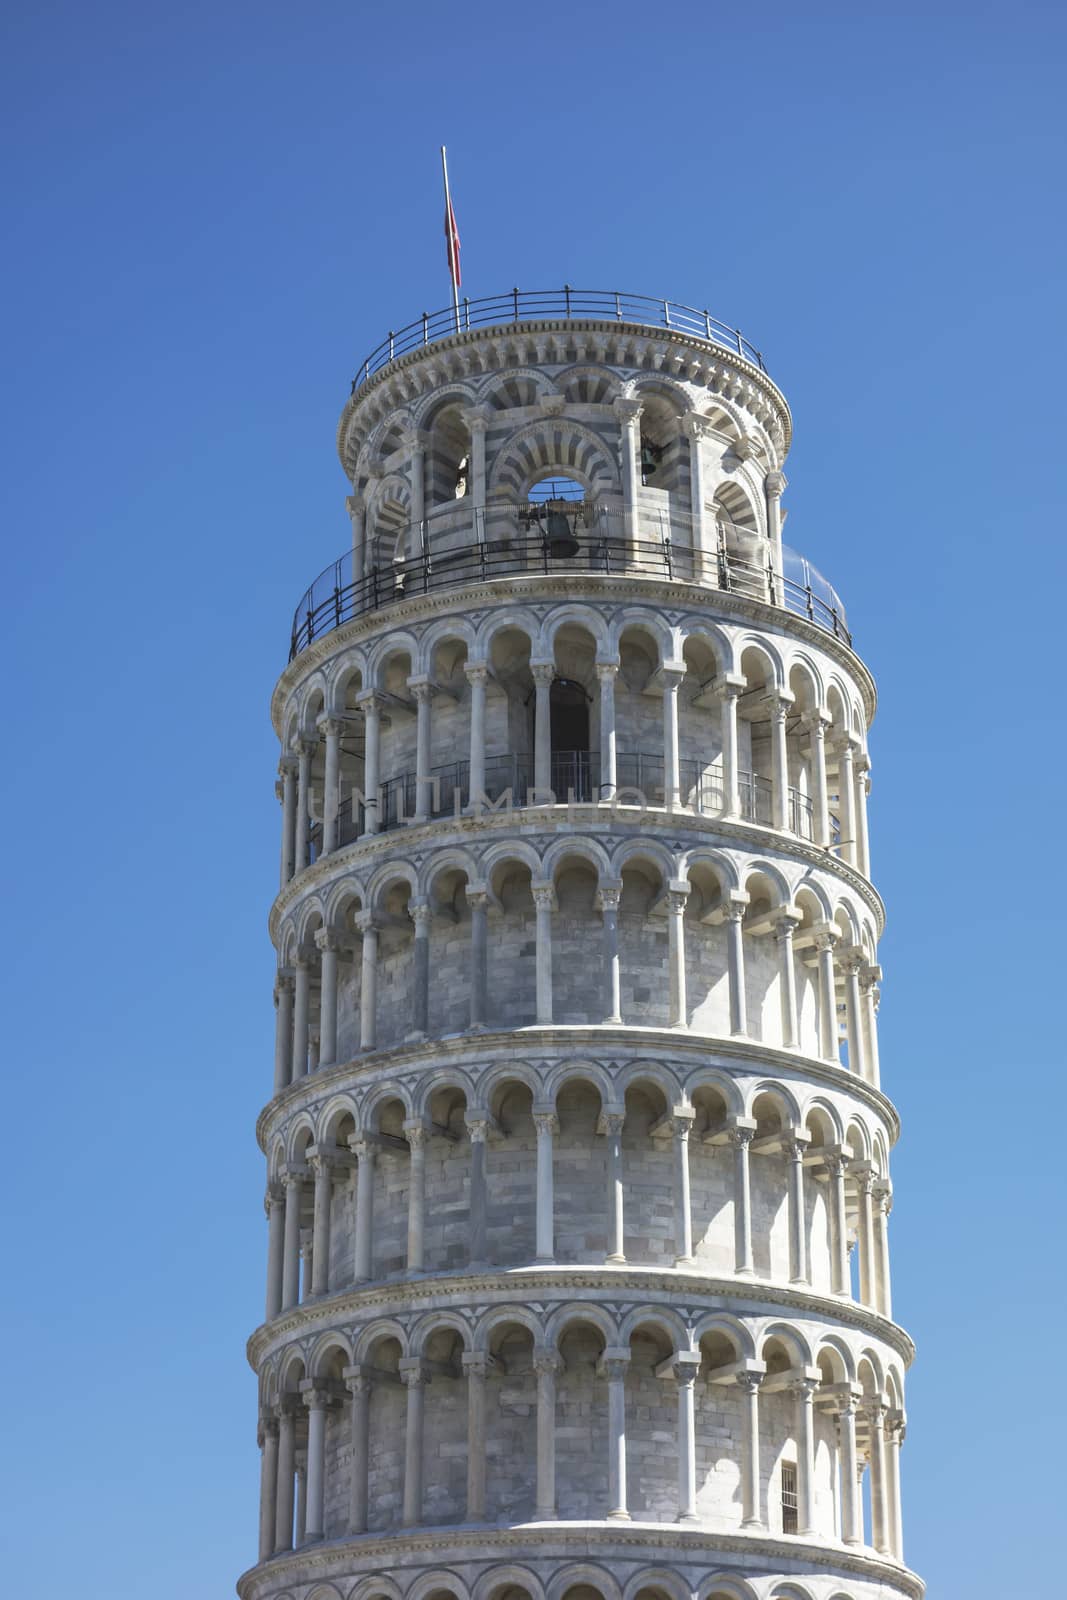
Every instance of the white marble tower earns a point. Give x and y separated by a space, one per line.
577 1155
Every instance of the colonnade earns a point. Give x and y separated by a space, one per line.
294 787
842 969
858 1204
293 1490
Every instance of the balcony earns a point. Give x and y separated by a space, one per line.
575 779
555 305
501 542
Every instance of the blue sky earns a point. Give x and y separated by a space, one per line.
214 211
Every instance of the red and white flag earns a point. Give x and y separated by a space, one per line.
452 241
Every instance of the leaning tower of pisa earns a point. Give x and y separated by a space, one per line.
577 1158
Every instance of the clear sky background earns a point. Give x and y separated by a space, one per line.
213 212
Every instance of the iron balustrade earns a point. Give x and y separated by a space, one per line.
501 545
566 304
575 778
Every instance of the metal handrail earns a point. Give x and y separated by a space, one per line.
520 305
497 549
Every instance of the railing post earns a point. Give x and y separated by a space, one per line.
467 313
515 301
392 337
618 307
666 314
740 342
425 328
567 297
707 324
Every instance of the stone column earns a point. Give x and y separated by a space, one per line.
294 1195
705 562
735 957
288 769
869 979
606 671
787 979
677 895
672 781
614 1365
547 1125
476 1365
839 1274
894 1438
740 1139
846 794
365 1151
874 1410
320 1246
851 1503
613 1123
477 420
415 1133
478 1133
882 1205
275 1251
773 486
804 1390
301 1498
851 963
283 1507
749 1384
684 1368
608 902
478 900
728 694
543 674
330 946
414 1376
816 726
793 1148
421 916
283 1029
546 1364
368 991
681 1126
544 898
358 1380
862 766
629 415
357 511
305 749
422 689
864 1180
371 706
268 1484
307 1252
825 940
779 706
301 1009
333 728
477 676
316 1399
415 444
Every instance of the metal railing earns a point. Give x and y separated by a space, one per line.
508 541
575 778
533 305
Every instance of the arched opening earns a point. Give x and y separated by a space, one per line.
568 703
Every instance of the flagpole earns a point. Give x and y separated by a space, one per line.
451 247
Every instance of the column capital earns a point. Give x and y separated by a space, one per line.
329 940
366 921
288 766
805 1383
825 935
413 1372
870 975
794 1142
780 702
613 1364
413 439
477 1128
416 1133
293 1174
421 913
734 905
268 1425
476 418
476 671
545 1122
882 1194
682 1366
627 410
874 1408
786 921
284 979
851 960
862 1174
741 1133
306 747
478 1363
355 505
775 482
611 1122
369 701
544 894
607 669
608 895
543 671
698 426
749 1379
330 725
729 686
477 896
422 689
357 1378
546 1361
315 1395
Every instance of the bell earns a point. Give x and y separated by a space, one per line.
649 460
561 541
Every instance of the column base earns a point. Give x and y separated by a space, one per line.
614 1261
689 1518
477 1027
744 1272
685 1261
416 1036
618 1516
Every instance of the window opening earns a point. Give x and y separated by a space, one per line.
790 1504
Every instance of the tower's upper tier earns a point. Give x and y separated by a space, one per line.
564 431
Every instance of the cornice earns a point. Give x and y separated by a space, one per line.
708 352
410 1551
655 822
565 1040
562 585
688 1292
